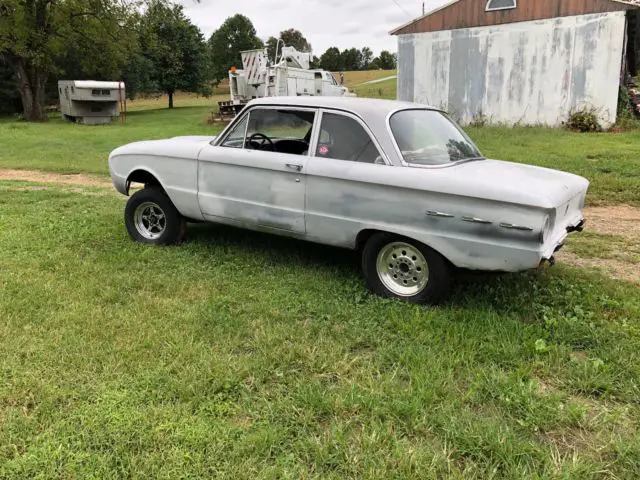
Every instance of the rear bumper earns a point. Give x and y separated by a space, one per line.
577 226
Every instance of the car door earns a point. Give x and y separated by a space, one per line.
346 180
245 179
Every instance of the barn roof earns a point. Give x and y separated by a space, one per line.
472 13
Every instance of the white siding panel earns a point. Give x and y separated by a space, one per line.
529 72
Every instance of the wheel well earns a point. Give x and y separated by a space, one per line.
144 177
363 237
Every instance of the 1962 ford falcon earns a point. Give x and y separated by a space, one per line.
400 182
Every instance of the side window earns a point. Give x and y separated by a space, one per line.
235 139
282 131
281 124
343 138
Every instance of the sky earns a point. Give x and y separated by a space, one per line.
325 23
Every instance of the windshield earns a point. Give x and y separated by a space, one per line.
428 137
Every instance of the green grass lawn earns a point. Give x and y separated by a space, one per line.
610 161
65 147
241 355
386 90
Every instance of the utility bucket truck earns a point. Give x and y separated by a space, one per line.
288 75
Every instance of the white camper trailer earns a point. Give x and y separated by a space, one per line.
289 76
90 102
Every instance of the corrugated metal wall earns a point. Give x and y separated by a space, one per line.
529 72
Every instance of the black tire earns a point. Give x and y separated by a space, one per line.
438 278
168 227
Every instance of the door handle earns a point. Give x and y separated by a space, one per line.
294 166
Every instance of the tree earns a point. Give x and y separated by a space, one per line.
367 56
35 33
236 34
351 59
291 38
173 52
271 45
386 60
294 38
9 94
331 60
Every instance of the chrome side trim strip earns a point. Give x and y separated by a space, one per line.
511 226
476 220
433 213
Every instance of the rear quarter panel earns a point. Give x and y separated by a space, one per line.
346 198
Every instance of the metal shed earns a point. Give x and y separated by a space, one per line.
90 102
518 61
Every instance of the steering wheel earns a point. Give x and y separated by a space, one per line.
263 141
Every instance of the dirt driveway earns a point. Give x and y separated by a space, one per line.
619 224
47 177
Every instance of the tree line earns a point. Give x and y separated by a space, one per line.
149 44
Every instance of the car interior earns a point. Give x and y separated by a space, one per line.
294 146
290 131
282 131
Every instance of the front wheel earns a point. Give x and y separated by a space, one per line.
151 217
405 269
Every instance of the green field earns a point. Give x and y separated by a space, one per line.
243 355
610 161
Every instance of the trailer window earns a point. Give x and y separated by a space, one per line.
343 138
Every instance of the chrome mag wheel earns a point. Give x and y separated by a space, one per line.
402 269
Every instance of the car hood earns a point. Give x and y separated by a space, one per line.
194 138
518 183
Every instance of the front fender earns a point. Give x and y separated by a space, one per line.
175 174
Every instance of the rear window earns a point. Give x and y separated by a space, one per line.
429 137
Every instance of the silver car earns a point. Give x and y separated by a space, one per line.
399 182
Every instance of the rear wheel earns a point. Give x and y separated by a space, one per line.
405 269
151 217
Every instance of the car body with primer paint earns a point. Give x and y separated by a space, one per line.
399 181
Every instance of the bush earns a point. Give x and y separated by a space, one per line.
479 120
626 114
584 120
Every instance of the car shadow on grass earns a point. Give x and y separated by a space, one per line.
284 250
470 289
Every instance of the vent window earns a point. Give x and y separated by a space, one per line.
493 5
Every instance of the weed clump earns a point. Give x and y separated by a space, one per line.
584 120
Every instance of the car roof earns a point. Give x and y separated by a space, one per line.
360 106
